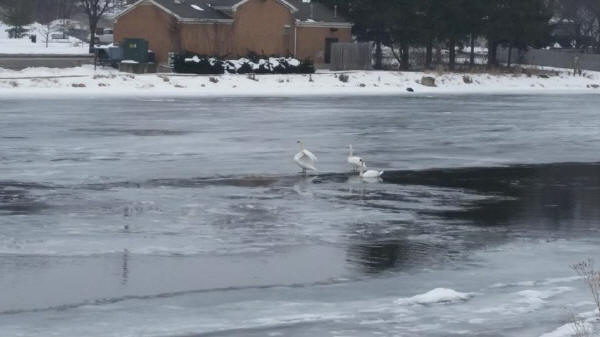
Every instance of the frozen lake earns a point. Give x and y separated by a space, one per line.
187 216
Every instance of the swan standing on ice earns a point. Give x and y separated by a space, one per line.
305 159
355 161
369 173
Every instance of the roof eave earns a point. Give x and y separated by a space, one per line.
291 7
324 24
139 2
206 21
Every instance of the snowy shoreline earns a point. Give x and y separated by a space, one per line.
85 81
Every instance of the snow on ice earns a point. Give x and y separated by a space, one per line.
438 295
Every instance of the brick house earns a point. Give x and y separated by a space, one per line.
234 28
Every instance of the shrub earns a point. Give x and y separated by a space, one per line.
306 67
198 65
344 78
194 64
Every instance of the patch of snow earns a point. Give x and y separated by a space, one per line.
70 46
195 59
438 295
538 297
196 7
585 327
129 62
323 83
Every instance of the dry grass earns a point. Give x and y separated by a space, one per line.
591 277
578 325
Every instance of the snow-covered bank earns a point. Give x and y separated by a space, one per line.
103 81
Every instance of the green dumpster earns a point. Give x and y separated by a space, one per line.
135 50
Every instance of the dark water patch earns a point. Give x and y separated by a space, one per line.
70 159
249 181
132 132
10 184
402 254
552 197
14 137
18 202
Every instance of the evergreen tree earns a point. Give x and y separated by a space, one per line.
404 29
17 13
400 24
475 12
530 25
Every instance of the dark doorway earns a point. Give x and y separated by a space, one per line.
328 43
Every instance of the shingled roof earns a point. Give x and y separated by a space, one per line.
320 12
194 10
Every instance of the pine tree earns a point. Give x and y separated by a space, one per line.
17 14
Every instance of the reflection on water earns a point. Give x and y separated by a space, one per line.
551 197
546 201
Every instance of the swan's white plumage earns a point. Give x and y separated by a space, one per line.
305 159
355 161
369 173
310 155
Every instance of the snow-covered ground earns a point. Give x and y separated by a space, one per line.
107 81
71 46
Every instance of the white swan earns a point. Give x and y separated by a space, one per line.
354 161
305 159
369 174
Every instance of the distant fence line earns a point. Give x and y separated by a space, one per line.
350 56
551 58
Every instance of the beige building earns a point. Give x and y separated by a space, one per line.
234 28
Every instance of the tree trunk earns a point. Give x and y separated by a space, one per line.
378 56
510 48
45 32
93 26
492 45
452 55
404 62
429 53
472 56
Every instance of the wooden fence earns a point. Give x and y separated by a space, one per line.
551 58
350 56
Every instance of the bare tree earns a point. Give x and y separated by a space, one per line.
94 9
47 14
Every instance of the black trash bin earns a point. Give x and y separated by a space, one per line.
33 38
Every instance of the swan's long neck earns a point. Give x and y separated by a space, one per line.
351 151
301 146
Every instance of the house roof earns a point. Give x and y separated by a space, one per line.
192 9
201 10
320 12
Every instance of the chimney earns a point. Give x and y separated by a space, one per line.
335 11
